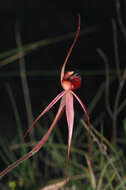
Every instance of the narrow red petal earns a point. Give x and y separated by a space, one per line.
45 110
57 117
40 144
70 121
70 50
88 119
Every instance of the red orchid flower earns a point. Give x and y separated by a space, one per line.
69 81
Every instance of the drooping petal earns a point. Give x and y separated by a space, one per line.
88 119
70 50
70 121
45 110
56 119
40 143
55 186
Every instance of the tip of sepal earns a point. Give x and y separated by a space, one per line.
67 179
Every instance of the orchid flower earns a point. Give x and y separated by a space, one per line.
69 81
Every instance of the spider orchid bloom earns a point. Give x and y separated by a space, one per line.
69 81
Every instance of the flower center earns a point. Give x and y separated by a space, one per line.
71 81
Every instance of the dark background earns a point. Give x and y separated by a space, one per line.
47 19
